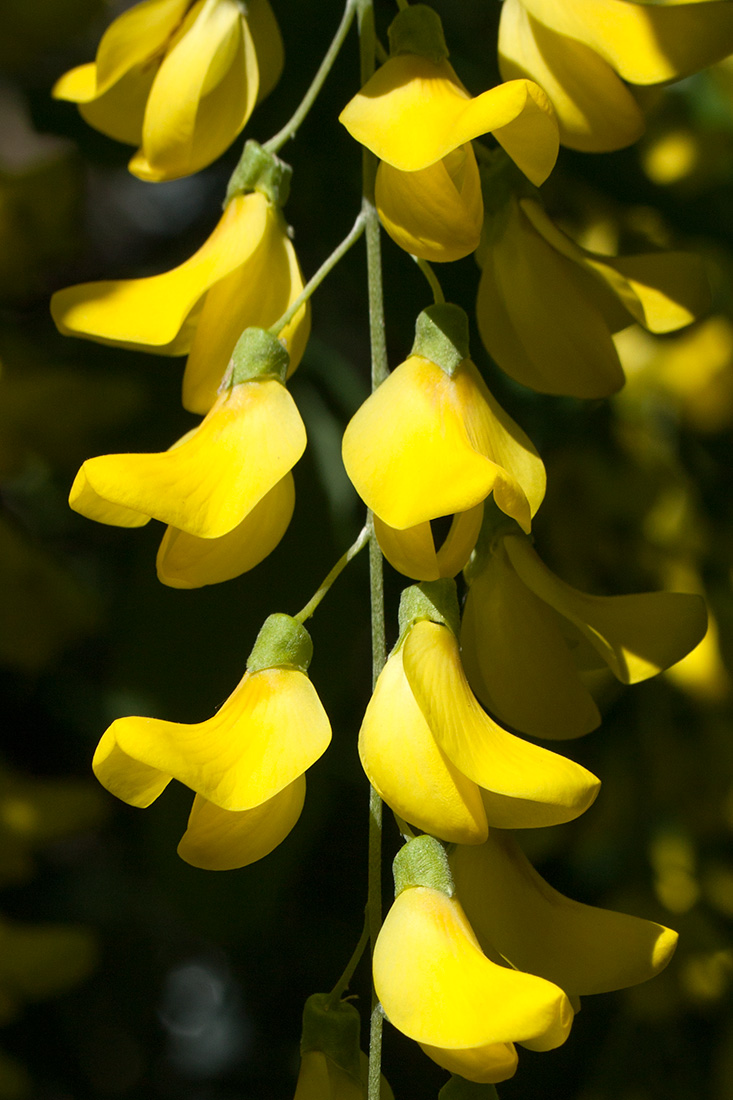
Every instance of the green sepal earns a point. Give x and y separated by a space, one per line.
441 336
260 170
282 642
436 601
333 1030
423 862
458 1088
495 526
418 29
258 354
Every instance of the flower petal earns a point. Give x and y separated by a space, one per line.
408 769
136 37
491 1063
152 313
412 551
256 293
581 948
223 840
267 733
185 561
202 95
207 484
268 44
429 213
538 320
517 660
125 777
436 985
414 111
646 44
637 636
526 785
595 110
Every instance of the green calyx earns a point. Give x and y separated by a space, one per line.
423 862
495 527
441 336
436 601
258 354
334 1030
418 29
259 170
281 643
458 1088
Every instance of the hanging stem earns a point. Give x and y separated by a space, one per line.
343 982
315 281
290 128
338 568
432 278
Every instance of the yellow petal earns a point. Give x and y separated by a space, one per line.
185 561
581 948
414 111
526 785
436 985
222 840
517 659
490 1064
407 768
413 552
119 111
204 92
427 445
268 44
595 110
126 778
205 486
637 636
435 213
320 1078
267 733
256 293
156 313
135 38
88 502
646 44
661 290
538 320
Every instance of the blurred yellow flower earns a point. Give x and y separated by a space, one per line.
246 763
179 79
523 626
332 1066
210 481
547 308
245 274
581 948
417 117
429 444
441 763
581 54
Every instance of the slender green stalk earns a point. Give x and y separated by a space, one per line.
290 128
315 281
343 983
313 602
432 278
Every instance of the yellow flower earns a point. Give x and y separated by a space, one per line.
581 948
332 1067
441 763
246 763
432 441
547 308
581 54
211 481
245 274
417 117
525 628
437 985
179 79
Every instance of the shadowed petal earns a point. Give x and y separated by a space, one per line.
412 551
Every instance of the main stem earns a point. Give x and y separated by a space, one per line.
379 371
